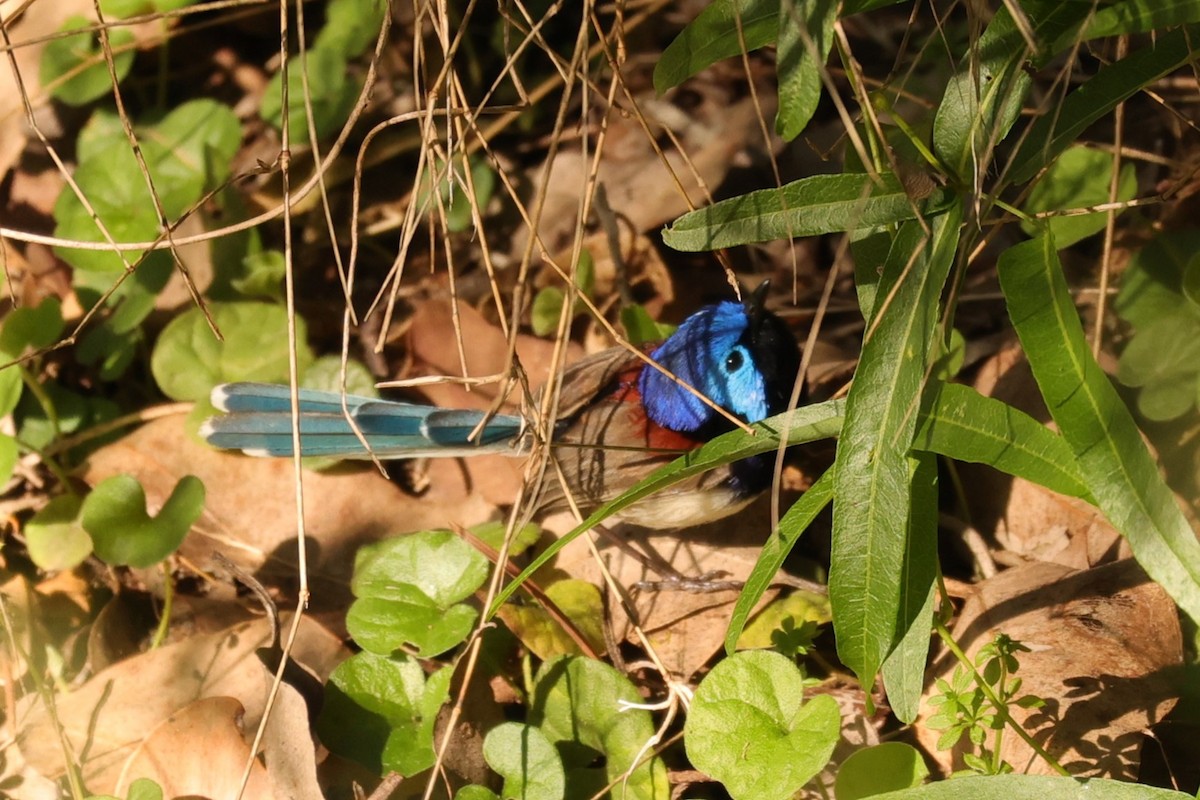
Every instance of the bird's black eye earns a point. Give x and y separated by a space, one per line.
733 361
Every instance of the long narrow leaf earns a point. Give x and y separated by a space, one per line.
713 36
1113 460
961 423
871 489
904 669
805 38
807 207
1056 130
791 526
983 99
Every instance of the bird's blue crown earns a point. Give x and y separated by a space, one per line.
741 357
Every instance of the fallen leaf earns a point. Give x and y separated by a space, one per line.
1104 644
199 751
109 719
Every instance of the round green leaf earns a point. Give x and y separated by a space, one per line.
188 360
544 634
1078 179
331 91
886 767
383 625
528 762
380 712
476 792
124 534
326 373
756 699
31 328
79 62
54 536
442 566
576 703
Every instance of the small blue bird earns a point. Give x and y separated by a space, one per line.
619 419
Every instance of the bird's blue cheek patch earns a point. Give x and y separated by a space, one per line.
748 395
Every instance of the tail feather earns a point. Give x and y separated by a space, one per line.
259 422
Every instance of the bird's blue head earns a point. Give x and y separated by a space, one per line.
742 357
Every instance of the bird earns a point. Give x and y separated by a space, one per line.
619 418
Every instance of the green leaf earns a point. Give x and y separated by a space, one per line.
725 28
640 327
188 360
8 457
406 617
983 99
444 567
1163 359
577 703
1115 464
492 534
546 310
262 275
123 534
326 374
872 484
331 91
351 26
11 386
961 423
55 537
1033 787
807 207
790 612
1152 284
144 789
1078 179
409 590
1063 123
1134 16
528 762
475 792
805 38
770 560
380 711
904 668
79 62
883 768
543 634
186 152
756 700
29 328
189 151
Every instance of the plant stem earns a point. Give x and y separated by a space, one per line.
164 621
1001 708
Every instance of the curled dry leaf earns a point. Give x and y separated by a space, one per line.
1105 643
111 722
250 509
199 751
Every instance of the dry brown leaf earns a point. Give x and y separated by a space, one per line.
639 186
1104 644
686 628
249 511
108 720
199 751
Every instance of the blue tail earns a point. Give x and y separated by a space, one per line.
258 421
